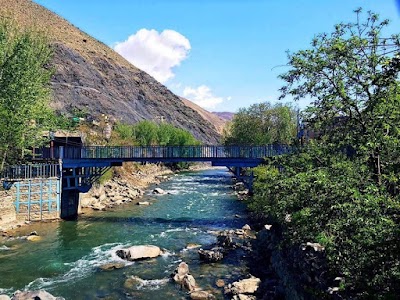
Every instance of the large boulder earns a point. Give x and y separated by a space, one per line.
139 252
180 272
34 295
201 295
181 275
244 286
4 297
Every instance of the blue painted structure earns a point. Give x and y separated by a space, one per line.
38 197
102 156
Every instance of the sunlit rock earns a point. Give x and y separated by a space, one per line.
159 191
139 252
34 295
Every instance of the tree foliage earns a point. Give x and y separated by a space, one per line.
262 124
334 201
351 76
348 201
148 133
24 90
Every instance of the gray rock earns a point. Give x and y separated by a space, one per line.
189 282
111 266
159 191
139 252
213 255
34 295
244 286
201 295
180 272
246 227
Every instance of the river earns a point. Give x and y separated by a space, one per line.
66 260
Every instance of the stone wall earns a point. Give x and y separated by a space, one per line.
7 208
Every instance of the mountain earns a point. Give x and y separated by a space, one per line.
215 120
91 77
225 115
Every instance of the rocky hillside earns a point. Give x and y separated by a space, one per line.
91 77
225 115
214 119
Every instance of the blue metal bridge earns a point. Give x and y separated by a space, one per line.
79 167
102 156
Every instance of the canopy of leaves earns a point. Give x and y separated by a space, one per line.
24 90
147 133
334 201
348 201
351 75
262 124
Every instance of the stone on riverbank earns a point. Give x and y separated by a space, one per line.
34 295
159 191
143 203
4 297
244 286
139 252
33 237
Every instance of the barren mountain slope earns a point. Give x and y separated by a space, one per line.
92 77
215 120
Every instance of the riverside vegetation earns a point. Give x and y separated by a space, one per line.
339 193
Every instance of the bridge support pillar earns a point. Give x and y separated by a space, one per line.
246 179
69 204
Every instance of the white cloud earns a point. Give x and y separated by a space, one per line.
154 52
202 96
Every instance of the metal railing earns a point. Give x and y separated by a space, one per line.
165 152
21 172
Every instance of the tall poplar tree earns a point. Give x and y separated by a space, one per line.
24 90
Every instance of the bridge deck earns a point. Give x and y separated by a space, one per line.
245 156
107 156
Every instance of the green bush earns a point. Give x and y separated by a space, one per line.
335 201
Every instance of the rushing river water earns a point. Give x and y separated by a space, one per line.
66 261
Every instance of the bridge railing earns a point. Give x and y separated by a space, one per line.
30 171
166 152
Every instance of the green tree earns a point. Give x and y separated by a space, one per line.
24 90
145 133
262 124
351 75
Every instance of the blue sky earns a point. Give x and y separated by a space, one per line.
222 54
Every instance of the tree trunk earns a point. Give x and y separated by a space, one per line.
376 165
3 161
